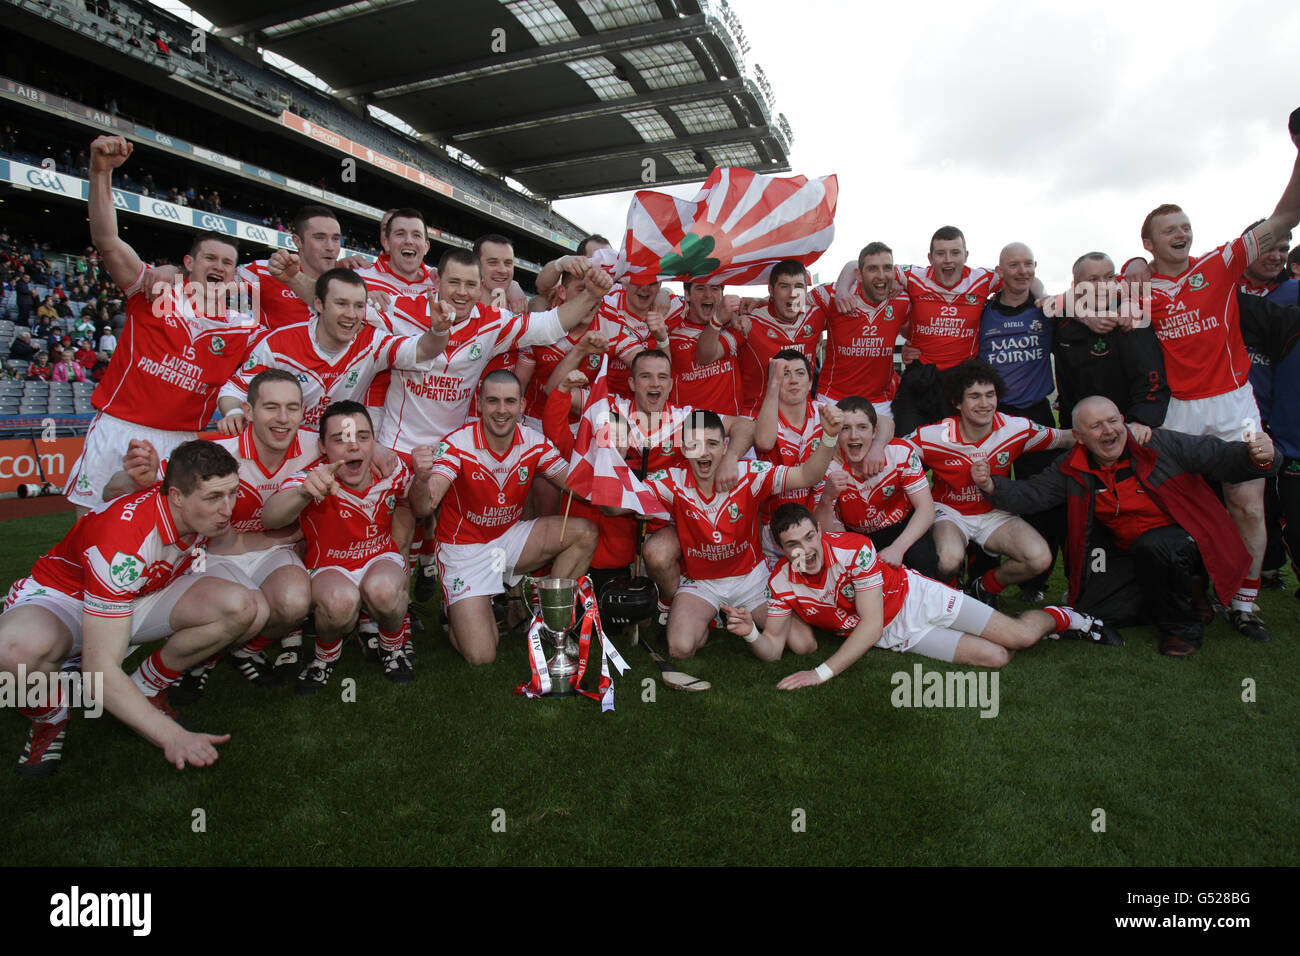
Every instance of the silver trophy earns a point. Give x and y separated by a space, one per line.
557 597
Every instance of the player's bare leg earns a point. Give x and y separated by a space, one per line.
288 594
336 602
800 639
213 615
472 629
662 553
950 543
1025 551
1245 503
385 591
569 557
36 640
689 621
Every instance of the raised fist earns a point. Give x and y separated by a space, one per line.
108 152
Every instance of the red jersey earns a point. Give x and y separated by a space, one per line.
426 406
719 535
860 346
349 528
949 456
946 322
881 500
256 482
113 556
628 334
828 599
793 447
769 335
277 304
327 378
715 386
488 490
1196 320
170 363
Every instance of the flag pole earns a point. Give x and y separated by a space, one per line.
564 524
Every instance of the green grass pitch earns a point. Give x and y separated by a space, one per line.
1184 770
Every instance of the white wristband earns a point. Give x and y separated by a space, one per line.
824 672
832 440
752 636
237 410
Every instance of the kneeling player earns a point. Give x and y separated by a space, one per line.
481 477
118 579
345 506
722 557
834 582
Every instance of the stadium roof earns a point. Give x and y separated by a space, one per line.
567 97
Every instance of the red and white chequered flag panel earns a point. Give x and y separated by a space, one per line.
597 471
736 228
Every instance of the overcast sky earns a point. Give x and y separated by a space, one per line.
1059 127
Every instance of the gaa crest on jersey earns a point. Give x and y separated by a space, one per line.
888 490
523 474
441 449
1197 281
216 345
475 351
390 502
733 511
864 558
251 363
125 569
847 591
814 444
1003 458
758 466
351 380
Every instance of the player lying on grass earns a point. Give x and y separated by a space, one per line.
481 478
344 505
722 556
834 582
118 579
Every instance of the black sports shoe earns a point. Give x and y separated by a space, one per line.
397 666
368 637
314 677
1250 624
426 582
286 664
1032 595
256 669
977 590
160 702
1272 580
1099 632
44 749
187 690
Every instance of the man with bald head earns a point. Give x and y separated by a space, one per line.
1143 512
1015 338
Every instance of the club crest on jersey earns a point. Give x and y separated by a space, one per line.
771 334
475 351
593 361
733 512
805 331
864 558
1036 326
390 502
758 466
523 474
888 490
125 569
847 590
441 449
667 446
972 298
1003 457
889 311
814 444
1197 281
1100 348
351 380
251 363
659 475
217 345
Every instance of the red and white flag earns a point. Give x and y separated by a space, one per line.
736 228
597 472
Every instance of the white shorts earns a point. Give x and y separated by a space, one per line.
1218 415
356 574
252 568
482 570
975 528
746 590
933 618
101 456
150 615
